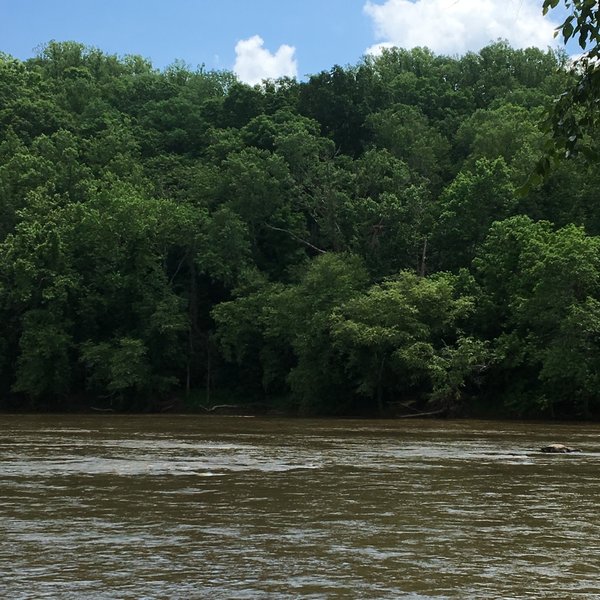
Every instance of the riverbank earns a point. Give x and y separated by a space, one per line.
224 405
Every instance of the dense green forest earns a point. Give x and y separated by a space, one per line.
370 241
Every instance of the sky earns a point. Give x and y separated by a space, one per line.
271 38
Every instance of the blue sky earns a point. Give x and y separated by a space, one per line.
259 38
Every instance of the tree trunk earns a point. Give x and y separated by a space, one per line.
380 386
193 322
208 369
423 267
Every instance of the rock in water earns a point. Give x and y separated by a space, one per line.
559 449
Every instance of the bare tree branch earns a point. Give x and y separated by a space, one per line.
294 236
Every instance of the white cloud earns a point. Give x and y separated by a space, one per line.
253 62
458 26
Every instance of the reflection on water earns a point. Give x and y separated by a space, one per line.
197 507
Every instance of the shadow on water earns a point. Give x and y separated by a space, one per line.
195 507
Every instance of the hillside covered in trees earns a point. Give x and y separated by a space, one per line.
368 242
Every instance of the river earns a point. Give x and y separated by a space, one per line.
144 507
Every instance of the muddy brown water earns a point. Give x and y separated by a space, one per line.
194 507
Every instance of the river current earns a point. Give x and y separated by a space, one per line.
185 507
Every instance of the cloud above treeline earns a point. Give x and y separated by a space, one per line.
458 26
253 62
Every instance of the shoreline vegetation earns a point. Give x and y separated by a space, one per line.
378 240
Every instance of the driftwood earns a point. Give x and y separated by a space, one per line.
220 406
103 410
432 413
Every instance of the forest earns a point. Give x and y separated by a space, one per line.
385 238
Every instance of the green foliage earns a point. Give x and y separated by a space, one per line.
573 121
509 131
351 244
467 208
542 288
405 131
290 325
120 368
401 341
43 368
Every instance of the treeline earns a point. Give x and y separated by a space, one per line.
368 242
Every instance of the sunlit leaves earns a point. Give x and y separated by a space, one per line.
574 116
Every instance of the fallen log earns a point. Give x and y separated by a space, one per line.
209 409
432 413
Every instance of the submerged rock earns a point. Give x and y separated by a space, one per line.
559 449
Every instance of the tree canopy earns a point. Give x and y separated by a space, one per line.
357 243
